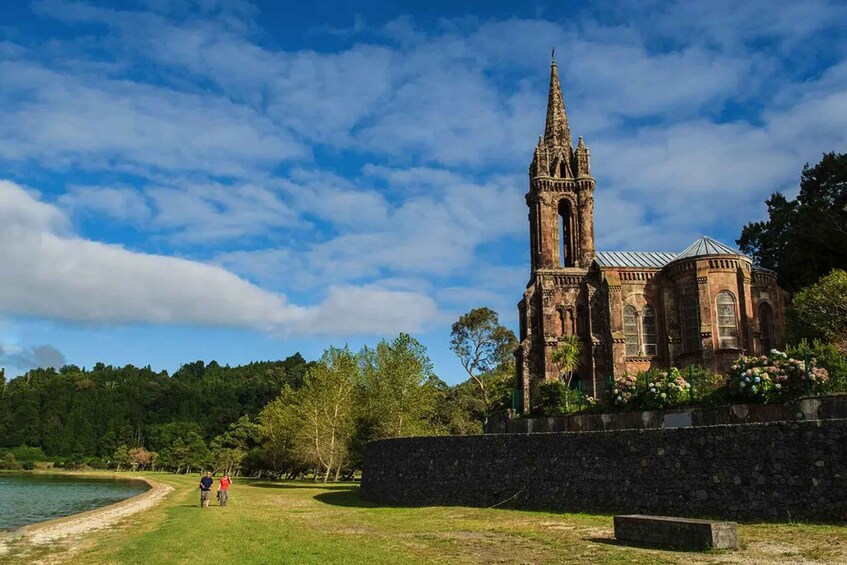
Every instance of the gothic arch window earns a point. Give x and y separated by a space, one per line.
766 325
648 331
727 321
567 234
690 323
630 330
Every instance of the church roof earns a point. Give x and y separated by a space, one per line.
637 259
657 260
707 246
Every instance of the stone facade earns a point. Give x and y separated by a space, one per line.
630 310
774 471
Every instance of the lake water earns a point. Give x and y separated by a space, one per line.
26 499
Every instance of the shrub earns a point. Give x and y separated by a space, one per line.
709 388
590 404
9 463
550 399
645 389
665 389
774 377
829 357
28 466
623 391
26 453
96 463
556 399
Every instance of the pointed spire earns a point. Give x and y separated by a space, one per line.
557 133
583 159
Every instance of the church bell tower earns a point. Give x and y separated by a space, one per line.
556 305
561 192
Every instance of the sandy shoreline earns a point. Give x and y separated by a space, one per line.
90 520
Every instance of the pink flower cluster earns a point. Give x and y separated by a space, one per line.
623 389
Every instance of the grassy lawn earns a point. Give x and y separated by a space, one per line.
301 522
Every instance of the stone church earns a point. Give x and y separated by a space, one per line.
630 310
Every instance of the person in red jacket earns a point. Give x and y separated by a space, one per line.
223 489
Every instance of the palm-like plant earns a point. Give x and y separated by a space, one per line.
566 358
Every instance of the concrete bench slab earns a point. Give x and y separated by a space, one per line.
681 533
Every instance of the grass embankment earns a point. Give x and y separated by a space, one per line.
302 522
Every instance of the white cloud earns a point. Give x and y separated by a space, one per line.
209 212
61 276
429 233
667 184
121 203
335 199
62 119
462 94
190 210
691 123
352 310
731 24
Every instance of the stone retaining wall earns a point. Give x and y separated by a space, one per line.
774 471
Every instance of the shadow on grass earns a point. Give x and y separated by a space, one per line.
334 494
621 543
303 485
348 498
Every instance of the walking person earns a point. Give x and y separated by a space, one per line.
206 489
223 489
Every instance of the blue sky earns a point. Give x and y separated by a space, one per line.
214 179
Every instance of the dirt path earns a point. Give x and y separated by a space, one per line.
77 524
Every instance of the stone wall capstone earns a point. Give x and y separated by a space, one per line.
774 471
814 408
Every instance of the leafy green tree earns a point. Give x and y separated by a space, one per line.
398 388
230 448
460 409
805 238
279 426
566 358
121 457
325 405
188 453
819 311
483 346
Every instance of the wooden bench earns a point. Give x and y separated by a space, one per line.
682 533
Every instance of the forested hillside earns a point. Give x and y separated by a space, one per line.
83 413
273 418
